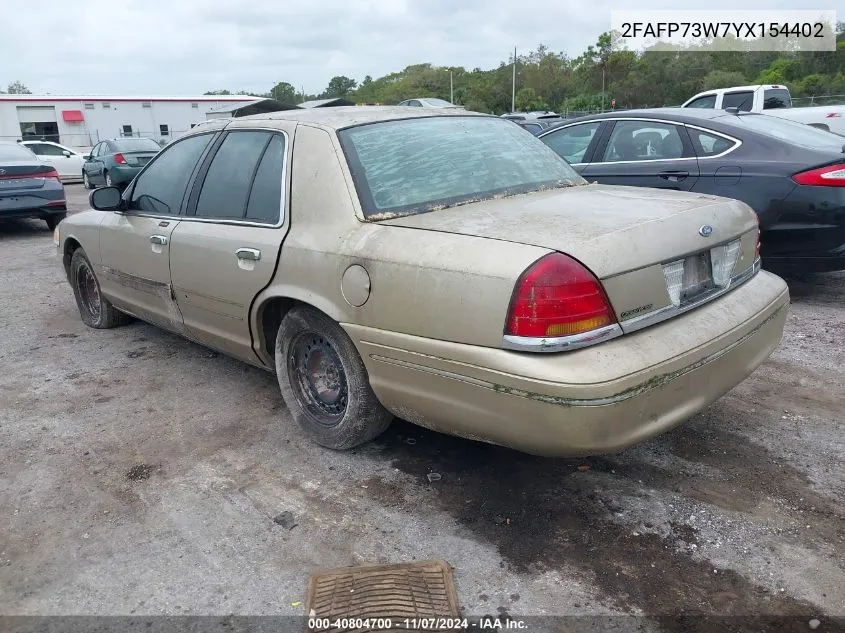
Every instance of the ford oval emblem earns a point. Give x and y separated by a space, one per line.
705 231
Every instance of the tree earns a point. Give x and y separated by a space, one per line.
18 88
284 92
339 86
218 92
722 79
528 101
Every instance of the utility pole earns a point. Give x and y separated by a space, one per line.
451 89
513 83
602 86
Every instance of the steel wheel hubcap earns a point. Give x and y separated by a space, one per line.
318 378
89 291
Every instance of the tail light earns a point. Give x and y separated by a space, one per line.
119 159
43 171
828 176
556 297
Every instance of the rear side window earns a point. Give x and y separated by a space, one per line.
644 140
161 186
265 199
226 186
707 144
741 100
775 98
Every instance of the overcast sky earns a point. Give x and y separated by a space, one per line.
185 47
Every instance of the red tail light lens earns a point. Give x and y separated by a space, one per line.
829 176
42 171
557 296
119 159
52 174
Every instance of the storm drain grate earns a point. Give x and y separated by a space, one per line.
376 597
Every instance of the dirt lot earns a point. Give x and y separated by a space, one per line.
140 473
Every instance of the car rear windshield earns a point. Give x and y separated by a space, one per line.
16 152
422 164
136 145
792 132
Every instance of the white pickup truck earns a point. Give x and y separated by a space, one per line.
772 100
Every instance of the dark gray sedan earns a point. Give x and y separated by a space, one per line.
791 174
29 188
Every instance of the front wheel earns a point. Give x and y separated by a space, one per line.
96 311
85 181
324 382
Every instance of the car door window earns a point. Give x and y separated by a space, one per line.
265 199
226 186
572 142
706 144
96 151
707 101
415 103
644 140
159 189
742 100
40 149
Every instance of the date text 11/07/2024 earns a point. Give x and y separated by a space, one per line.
421 624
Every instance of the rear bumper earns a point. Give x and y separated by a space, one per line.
121 174
595 400
33 212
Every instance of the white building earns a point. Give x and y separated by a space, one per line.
84 121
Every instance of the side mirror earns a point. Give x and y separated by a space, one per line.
86 156
105 199
66 154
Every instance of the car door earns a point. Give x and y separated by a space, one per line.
645 153
68 166
135 241
225 251
576 143
89 166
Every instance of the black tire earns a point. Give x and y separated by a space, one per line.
53 220
96 311
86 181
307 343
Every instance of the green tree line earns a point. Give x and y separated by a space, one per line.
548 80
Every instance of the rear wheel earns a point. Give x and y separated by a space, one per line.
53 220
96 311
109 182
324 382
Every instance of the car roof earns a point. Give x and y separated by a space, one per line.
679 115
340 117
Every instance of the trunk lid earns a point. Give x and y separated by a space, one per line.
610 229
18 175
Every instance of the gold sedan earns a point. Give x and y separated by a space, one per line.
444 267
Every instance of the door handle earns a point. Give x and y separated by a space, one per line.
158 239
673 176
251 254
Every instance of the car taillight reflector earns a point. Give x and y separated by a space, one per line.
557 296
829 176
40 172
119 159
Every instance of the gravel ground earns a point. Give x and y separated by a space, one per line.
140 474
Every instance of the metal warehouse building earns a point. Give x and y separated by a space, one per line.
83 121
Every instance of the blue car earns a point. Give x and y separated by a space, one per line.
29 187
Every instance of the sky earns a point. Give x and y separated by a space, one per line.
186 47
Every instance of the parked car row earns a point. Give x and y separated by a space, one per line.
533 310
